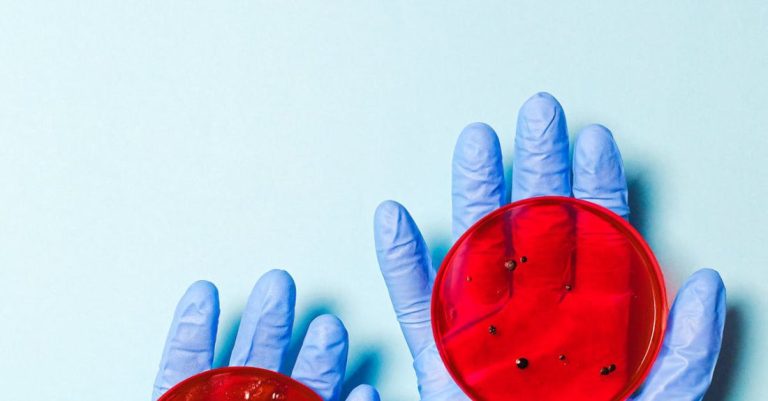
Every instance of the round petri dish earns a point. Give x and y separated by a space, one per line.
240 384
549 298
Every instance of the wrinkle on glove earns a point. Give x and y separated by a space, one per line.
684 368
190 343
322 359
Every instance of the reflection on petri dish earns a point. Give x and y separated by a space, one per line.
549 298
240 384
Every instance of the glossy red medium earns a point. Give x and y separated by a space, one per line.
240 384
549 298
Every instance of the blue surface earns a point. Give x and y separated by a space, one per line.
144 146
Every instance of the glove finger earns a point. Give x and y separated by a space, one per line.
478 176
541 150
598 176
405 264
189 346
364 392
603 258
322 358
683 370
598 171
265 328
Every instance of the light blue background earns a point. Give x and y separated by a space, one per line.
146 144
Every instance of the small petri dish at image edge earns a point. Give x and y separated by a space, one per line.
240 383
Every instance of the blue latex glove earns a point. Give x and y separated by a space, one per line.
683 370
262 339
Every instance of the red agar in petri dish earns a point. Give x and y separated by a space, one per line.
240 384
549 298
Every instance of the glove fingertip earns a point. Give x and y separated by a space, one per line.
202 294
322 359
595 140
278 282
541 107
707 279
385 212
598 170
327 329
391 222
541 160
476 139
702 297
703 290
477 176
364 392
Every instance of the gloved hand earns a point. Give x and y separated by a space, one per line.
262 339
683 370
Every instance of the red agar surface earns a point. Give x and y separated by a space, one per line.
549 298
240 384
